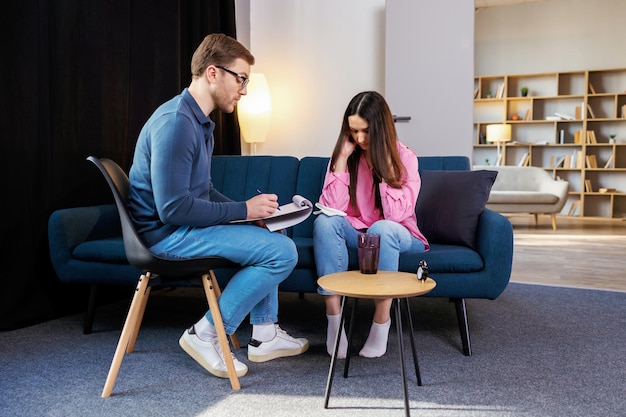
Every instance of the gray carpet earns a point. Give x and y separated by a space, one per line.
537 351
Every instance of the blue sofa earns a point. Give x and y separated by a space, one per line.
86 245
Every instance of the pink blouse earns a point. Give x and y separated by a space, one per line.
398 203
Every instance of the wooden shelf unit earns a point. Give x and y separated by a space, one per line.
591 127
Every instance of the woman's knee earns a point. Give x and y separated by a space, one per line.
384 228
327 225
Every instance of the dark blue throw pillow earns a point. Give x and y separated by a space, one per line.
449 204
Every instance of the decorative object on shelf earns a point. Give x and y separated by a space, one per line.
524 91
489 95
515 117
254 111
499 133
612 139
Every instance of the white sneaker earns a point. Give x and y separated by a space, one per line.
209 354
280 346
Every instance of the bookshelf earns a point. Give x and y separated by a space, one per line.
576 119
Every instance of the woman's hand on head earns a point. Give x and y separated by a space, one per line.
348 146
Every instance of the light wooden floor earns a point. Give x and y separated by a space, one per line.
582 253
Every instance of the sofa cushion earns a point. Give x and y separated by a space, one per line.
449 204
110 250
444 259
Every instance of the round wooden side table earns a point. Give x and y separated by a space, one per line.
384 284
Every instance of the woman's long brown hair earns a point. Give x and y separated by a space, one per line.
372 107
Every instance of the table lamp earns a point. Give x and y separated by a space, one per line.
254 111
500 133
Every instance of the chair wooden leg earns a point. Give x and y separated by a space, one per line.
209 283
553 217
218 292
129 326
133 336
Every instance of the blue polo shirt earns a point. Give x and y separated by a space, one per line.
170 178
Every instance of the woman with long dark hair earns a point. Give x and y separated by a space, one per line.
373 178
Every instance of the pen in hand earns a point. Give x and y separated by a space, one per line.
260 192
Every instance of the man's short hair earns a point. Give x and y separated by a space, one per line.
218 49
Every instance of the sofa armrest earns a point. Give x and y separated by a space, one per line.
494 243
68 228
558 188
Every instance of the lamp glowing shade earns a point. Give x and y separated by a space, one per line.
254 110
498 133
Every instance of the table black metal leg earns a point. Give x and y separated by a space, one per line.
350 328
331 370
401 349
418 376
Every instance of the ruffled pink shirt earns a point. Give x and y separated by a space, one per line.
398 203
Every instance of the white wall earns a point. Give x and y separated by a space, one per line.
316 56
430 73
550 36
318 53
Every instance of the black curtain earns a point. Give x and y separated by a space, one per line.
80 78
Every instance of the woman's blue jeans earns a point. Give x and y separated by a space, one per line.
333 235
266 258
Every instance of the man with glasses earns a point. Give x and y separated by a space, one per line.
179 213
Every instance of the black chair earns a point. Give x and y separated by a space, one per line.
158 271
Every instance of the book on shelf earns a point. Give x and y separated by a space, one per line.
591 89
574 161
588 188
573 208
578 136
525 160
476 93
287 215
580 159
560 162
527 115
590 110
564 116
500 92
591 161
609 162
591 136
624 111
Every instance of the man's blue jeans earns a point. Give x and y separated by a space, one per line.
266 258
333 235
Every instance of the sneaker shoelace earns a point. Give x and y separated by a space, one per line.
284 334
218 347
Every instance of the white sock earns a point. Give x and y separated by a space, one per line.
205 330
376 343
263 332
331 334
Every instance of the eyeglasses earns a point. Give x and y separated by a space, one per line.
243 80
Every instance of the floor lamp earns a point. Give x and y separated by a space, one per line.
500 133
254 111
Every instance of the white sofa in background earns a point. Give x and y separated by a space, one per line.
526 190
